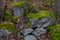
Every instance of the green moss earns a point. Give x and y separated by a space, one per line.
29 24
54 32
7 16
46 13
26 6
41 14
21 4
33 15
15 19
7 25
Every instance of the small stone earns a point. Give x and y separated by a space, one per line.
27 31
26 5
1 34
17 11
33 21
4 32
45 25
39 31
44 19
37 10
33 27
30 37
50 22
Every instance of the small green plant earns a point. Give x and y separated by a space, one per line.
26 6
7 16
7 25
29 24
54 32
15 19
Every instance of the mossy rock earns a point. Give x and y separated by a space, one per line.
26 6
21 4
41 14
54 32
7 25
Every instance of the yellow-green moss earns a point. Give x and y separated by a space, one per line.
46 13
21 4
15 19
33 15
29 24
41 14
54 32
7 25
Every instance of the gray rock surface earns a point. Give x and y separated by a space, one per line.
44 19
39 31
44 22
26 5
30 37
4 32
27 31
39 24
18 11
37 10
49 22
33 21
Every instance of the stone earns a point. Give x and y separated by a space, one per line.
4 32
26 5
44 19
39 31
1 34
33 21
49 22
27 31
39 24
37 10
45 25
30 37
17 11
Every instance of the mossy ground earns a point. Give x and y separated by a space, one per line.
54 32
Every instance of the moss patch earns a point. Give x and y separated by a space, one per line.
21 4
54 32
7 25
41 14
7 16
